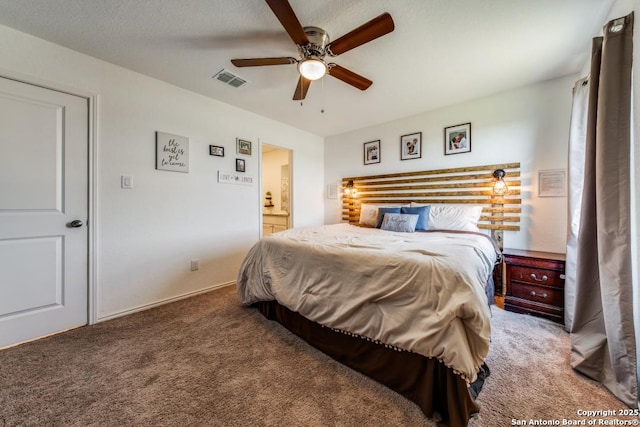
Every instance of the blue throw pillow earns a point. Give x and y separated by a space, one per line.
423 212
382 211
403 223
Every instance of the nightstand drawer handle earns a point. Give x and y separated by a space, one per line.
544 295
534 277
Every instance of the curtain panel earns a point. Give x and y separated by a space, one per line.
599 290
577 139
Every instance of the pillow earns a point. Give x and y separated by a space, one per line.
382 211
463 218
423 212
368 215
404 223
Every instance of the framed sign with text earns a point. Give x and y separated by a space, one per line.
172 152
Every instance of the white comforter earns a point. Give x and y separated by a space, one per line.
420 292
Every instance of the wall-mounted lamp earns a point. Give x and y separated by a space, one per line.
500 187
350 190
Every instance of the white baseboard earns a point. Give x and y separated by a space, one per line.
165 301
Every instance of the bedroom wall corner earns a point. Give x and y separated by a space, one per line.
529 125
146 236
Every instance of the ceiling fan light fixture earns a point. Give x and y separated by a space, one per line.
312 68
313 45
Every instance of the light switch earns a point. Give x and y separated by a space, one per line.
126 181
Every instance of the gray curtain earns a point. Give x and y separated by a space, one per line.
577 139
599 288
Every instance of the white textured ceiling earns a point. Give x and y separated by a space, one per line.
442 51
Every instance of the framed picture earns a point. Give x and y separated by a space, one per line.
457 139
372 152
411 146
240 165
215 150
172 152
243 146
552 183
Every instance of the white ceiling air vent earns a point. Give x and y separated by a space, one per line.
229 78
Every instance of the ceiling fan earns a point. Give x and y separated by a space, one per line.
313 45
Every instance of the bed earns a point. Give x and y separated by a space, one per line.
408 309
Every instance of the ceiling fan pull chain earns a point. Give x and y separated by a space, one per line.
322 98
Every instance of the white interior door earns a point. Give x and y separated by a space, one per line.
43 189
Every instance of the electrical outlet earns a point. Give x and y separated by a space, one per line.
195 264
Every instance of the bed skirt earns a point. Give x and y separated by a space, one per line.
435 388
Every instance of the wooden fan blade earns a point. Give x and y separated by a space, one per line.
301 89
371 30
257 62
349 77
287 17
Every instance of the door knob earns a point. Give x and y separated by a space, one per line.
75 223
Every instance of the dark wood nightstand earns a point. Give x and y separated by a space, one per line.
535 283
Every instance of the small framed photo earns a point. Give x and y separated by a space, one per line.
240 165
243 146
457 139
411 146
215 150
552 183
372 152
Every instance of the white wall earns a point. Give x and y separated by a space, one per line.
147 236
529 125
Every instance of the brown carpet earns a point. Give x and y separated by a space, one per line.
206 361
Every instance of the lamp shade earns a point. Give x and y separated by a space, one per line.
312 68
500 187
350 190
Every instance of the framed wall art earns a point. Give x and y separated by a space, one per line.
552 183
172 152
243 146
457 139
411 146
240 165
215 150
372 152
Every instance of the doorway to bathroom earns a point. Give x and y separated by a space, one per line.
276 203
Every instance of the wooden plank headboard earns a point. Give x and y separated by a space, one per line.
472 185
